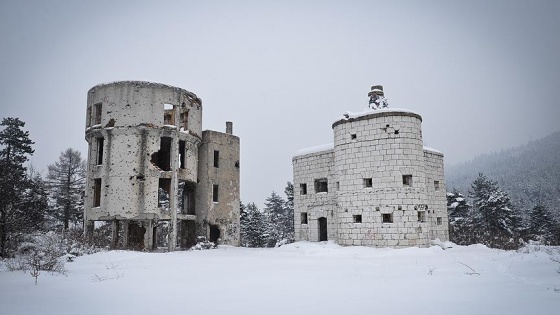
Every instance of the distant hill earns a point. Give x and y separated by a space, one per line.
528 173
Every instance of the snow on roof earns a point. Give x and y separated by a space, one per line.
315 149
369 111
432 150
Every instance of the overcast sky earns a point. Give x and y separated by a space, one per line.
484 75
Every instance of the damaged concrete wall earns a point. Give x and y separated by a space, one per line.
144 143
218 187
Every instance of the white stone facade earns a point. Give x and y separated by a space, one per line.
149 162
383 188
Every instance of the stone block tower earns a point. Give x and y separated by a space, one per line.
376 185
153 173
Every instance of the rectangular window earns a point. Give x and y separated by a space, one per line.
97 192
216 158
100 142
182 153
98 109
407 180
164 189
303 189
168 114
421 216
439 221
368 182
357 218
321 185
387 217
353 136
337 185
185 120
436 185
304 218
215 190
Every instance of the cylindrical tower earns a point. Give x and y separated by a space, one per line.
143 158
379 161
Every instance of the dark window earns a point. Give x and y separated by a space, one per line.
439 221
303 189
162 158
436 185
185 120
304 218
407 180
97 192
368 182
182 153
387 217
98 109
215 191
357 218
100 142
321 185
353 136
164 189
421 216
187 202
216 158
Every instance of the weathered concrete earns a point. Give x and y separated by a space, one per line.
384 187
143 162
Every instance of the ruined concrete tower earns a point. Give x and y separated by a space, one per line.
153 173
376 185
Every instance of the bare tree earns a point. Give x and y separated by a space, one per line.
66 181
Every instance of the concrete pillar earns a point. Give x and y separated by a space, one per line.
125 234
229 127
115 234
149 235
173 194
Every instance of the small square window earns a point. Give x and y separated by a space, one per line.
303 189
436 185
304 218
357 218
421 216
368 182
321 185
407 180
400 208
387 217
353 136
439 221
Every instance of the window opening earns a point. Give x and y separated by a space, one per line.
162 158
216 158
185 120
98 109
215 190
321 185
436 185
303 189
368 182
407 180
387 217
97 192
168 114
439 221
421 216
353 136
164 190
304 218
187 200
182 153
100 142
357 218
88 118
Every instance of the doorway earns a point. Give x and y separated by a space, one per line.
322 229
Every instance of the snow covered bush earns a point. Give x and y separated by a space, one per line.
202 243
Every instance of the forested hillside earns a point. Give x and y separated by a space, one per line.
529 174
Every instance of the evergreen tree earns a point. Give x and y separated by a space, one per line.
496 224
66 180
460 219
15 147
275 212
542 225
253 227
289 217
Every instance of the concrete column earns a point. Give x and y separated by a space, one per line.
149 235
115 234
173 194
125 234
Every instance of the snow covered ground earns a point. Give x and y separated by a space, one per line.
300 278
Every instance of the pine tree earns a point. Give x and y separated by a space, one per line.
496 223
542 225
253 227
289 217
15 147
460 219
275 211
66 181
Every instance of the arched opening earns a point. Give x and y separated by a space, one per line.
322 229
214 233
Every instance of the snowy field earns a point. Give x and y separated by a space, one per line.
300 278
